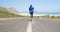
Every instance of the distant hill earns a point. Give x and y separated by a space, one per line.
12 10
5 13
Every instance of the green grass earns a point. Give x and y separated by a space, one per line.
48 17
6 14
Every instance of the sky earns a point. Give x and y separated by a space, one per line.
40 6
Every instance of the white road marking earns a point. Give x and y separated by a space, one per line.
29 28
32 22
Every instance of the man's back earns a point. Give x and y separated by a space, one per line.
31 8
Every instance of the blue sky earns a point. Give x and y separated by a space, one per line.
40 6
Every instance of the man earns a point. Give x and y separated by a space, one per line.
31 10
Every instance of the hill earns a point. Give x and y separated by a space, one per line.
4 13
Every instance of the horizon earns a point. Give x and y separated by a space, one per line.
27 14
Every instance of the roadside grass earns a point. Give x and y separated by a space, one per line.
6 14
48 17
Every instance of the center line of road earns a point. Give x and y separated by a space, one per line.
29 28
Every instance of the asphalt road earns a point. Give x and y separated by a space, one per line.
38 25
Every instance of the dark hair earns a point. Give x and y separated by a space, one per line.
30 5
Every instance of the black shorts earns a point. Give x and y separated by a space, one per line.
31 13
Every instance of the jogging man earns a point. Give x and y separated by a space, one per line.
31 10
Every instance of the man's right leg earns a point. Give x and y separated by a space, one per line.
31 16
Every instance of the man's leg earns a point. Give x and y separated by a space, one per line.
31 16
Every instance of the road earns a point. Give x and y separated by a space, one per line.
38 25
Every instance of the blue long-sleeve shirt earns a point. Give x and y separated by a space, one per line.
31 9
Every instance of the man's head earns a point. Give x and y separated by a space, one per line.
30 5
